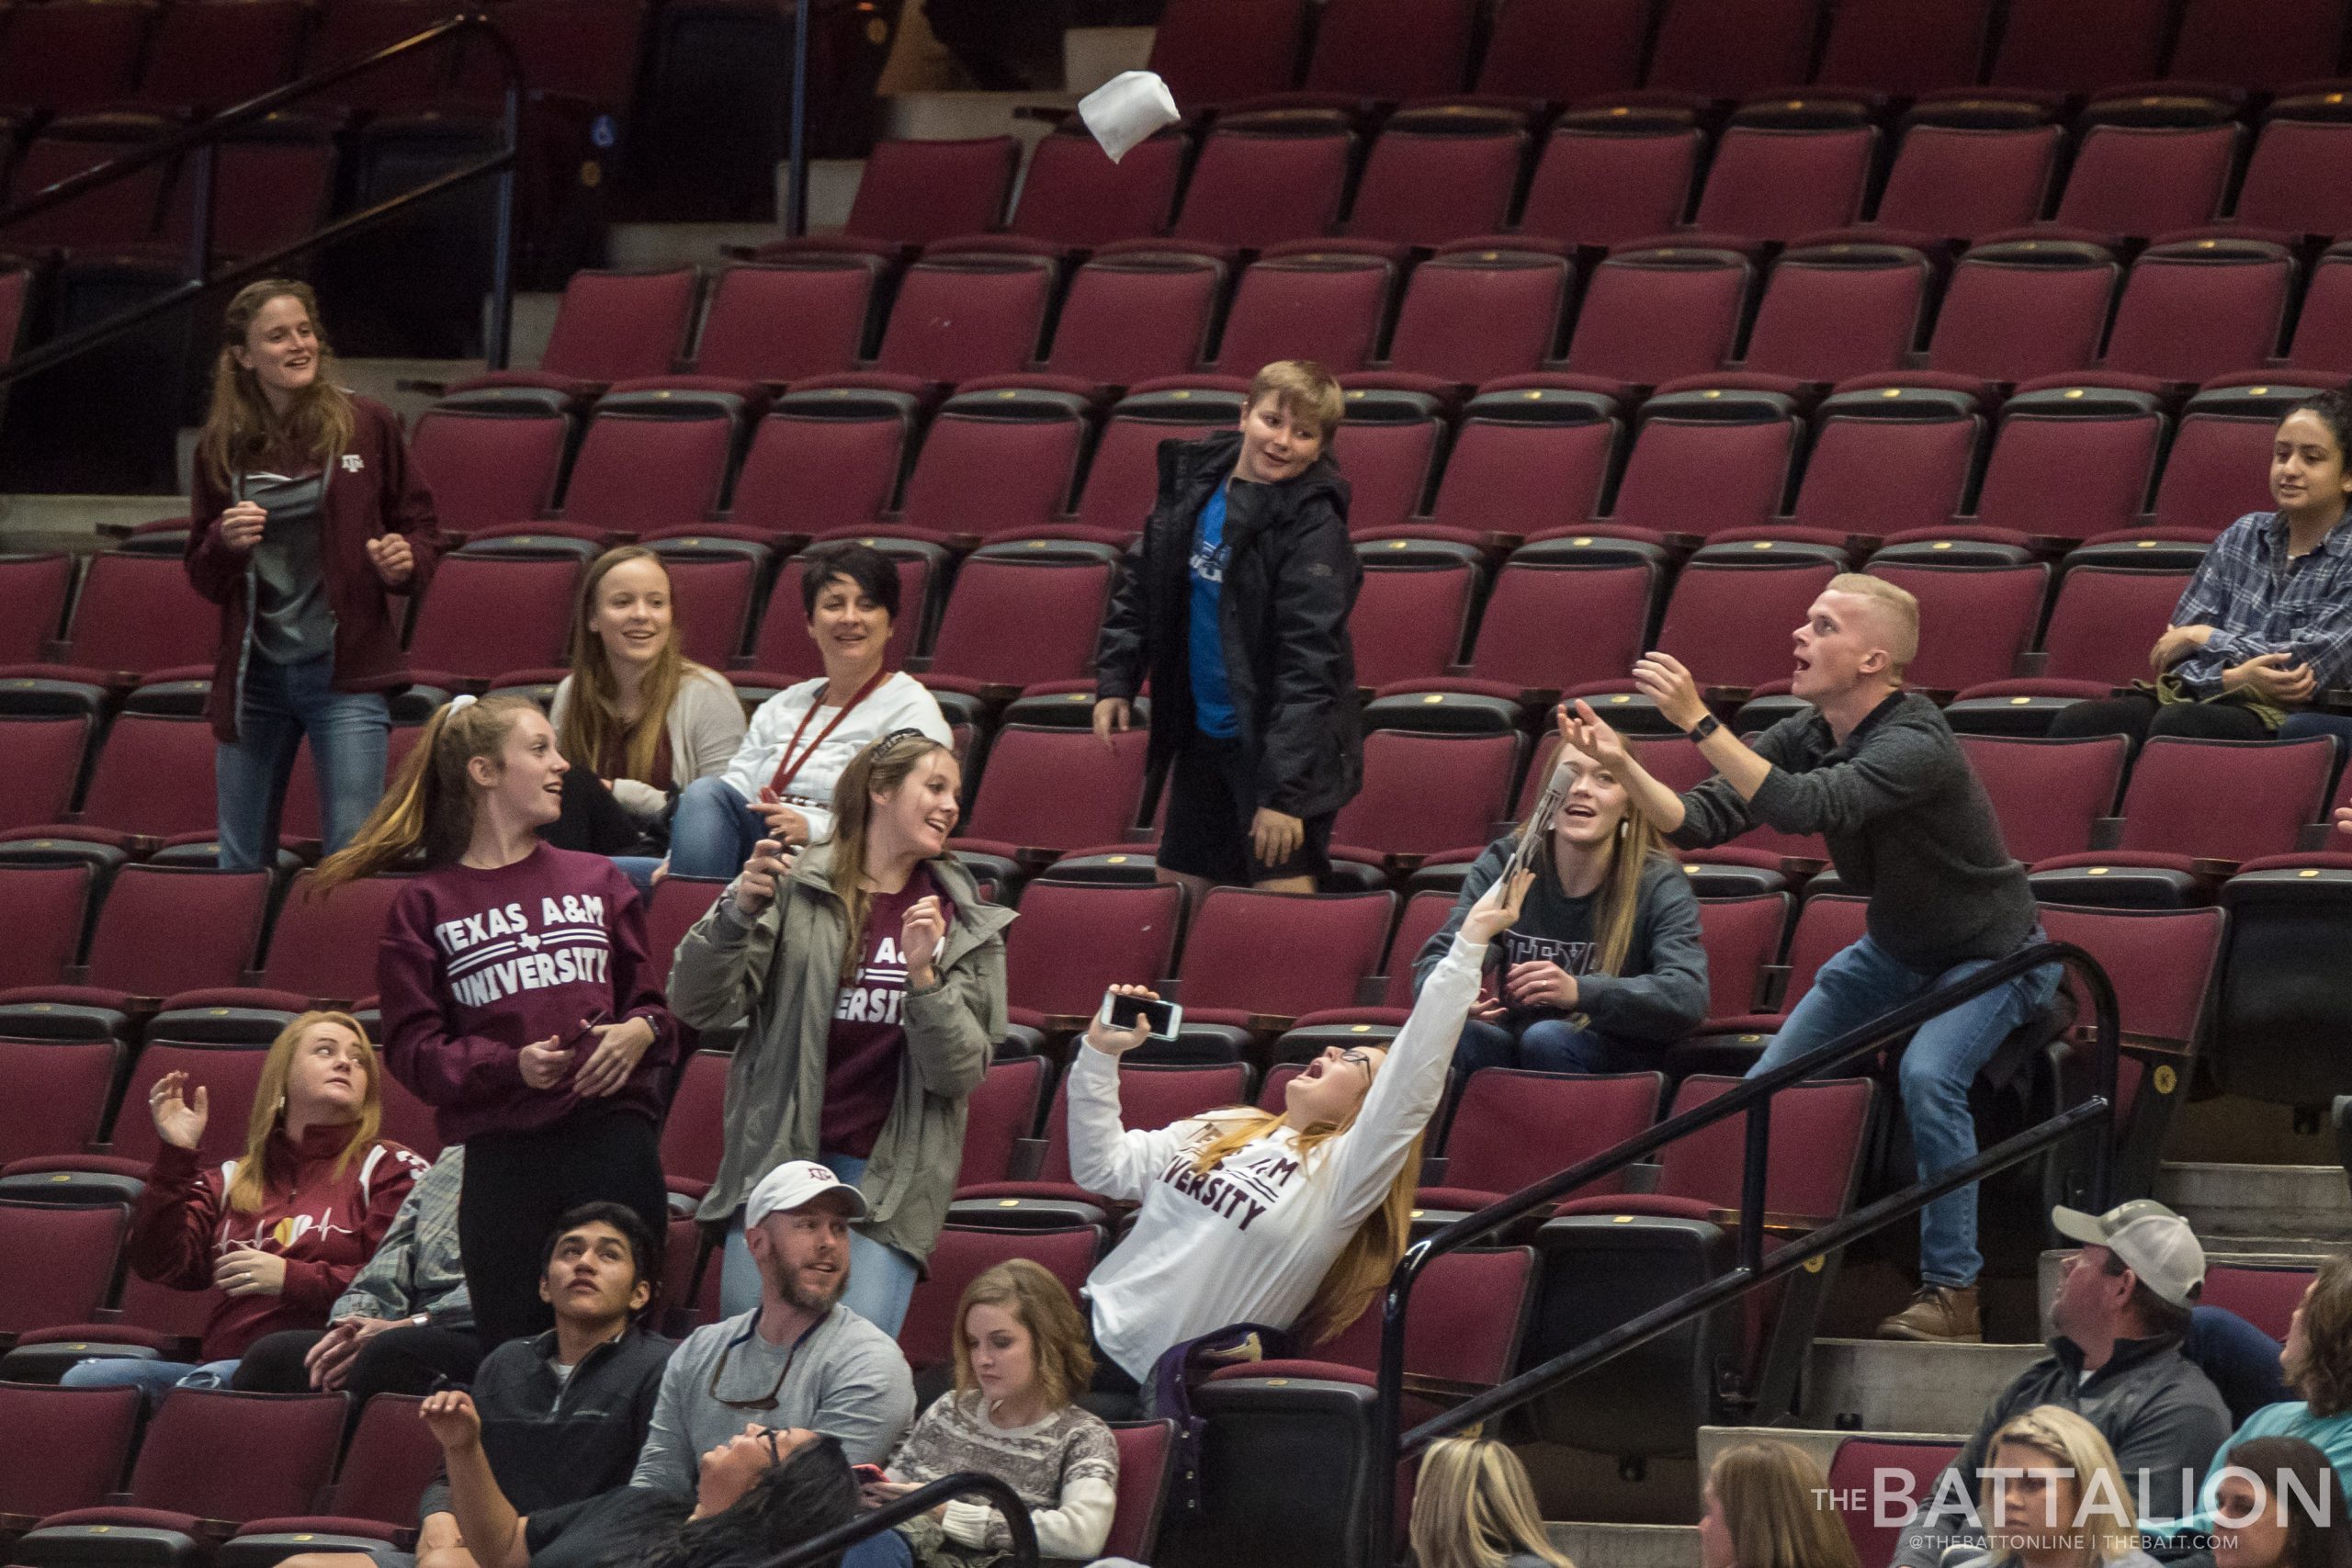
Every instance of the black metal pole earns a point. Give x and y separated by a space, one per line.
499 331
199 227
1751 1187
796 193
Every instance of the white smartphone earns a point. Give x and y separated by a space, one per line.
1166 1019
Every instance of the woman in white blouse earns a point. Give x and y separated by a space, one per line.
780 785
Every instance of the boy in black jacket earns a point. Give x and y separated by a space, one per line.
1235 602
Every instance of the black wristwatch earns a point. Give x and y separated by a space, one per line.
1704 728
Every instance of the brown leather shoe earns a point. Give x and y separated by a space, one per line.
1943 1314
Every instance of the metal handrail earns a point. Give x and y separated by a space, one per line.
874 1522
205 136
1751 1269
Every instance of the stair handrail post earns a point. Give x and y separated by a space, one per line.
795 193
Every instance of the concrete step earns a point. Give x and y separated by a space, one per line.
1893 1386
1820 1444
1628 1546
2297 1211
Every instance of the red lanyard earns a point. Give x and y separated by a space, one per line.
789 766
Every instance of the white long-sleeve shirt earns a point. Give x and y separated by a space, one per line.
1250 1241
902 701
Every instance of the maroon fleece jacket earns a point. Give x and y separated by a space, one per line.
325 1223
371 490
476 964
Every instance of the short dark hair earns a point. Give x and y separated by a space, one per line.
2334 410
876 574
642 1252
2163 1319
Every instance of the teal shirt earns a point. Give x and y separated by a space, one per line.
2331 1435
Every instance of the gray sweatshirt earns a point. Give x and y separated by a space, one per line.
847 1378
2154 1408
1906 821
1662 995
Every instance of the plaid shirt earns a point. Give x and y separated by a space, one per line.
2257 601
416 1268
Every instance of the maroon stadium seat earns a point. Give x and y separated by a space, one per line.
1262 185
1074 941
1594 186
1427 181
1132 318
1479 313
856 440
2049 795
1327 307
1513 1128
611 326
781 321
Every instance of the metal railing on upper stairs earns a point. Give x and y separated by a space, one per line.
1752 1269
201 141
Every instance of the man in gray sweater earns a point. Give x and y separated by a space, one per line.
2119 1316
1877 773
800 1358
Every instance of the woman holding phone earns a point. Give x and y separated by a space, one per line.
517 997
308 521
1292 1219
872 979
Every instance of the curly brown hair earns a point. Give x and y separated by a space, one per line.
2320 1369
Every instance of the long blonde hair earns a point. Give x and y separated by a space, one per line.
1617 904
429 806
1473 1508
880 769
1058 1349
1772 1497
1360 1271
2076 1446
240 428
592 718
247 1190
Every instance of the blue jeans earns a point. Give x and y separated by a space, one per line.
887 1550
348 732
881 1278
2241 1359
713 831
1547 1045
1865 982
153 1379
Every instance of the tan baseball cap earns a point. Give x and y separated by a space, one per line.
2153 1242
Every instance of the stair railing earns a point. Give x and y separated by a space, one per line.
1752 1269
204 138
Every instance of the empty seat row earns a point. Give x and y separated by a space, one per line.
1917 459
1433 178
2032 312
1225 52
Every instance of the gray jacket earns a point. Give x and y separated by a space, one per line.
781 972
1906 821
847 1378
416 1268
2154 1408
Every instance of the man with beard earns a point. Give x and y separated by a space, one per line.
800 1358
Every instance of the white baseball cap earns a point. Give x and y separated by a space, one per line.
796 1184
2153 1242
